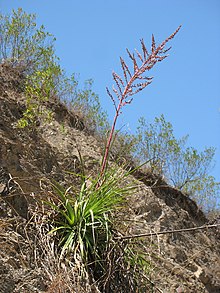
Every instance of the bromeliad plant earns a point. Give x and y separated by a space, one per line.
84 226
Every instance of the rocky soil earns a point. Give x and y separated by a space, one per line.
186 261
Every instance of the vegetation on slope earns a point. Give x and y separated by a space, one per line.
82 223
31 48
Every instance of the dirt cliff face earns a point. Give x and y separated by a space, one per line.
186 261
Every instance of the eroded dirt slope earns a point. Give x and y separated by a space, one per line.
179 262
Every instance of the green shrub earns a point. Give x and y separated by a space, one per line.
184 167
23 43
85 102
39 87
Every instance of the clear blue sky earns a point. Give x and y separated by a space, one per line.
91 35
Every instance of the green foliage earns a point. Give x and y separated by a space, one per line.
129 266
86 104
205 191
189 165
156 142
184 167
23 43
137 258
39 87
84 224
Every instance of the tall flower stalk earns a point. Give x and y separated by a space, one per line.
133 82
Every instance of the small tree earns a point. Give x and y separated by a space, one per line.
23 43
184 167
31 48
85 102
206 192
157 143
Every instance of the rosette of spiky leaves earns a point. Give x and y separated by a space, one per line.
83 224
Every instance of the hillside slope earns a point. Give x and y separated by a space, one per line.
178 262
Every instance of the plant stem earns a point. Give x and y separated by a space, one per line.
105 159
117 113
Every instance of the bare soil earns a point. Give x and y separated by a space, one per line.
29 158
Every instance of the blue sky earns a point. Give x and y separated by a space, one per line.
91 35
